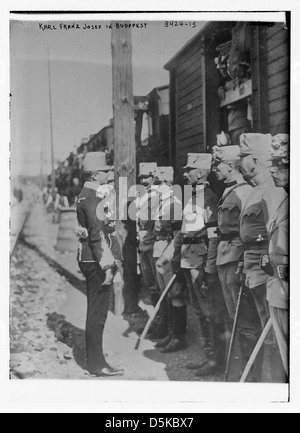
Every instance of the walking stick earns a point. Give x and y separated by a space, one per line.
233 334
256 351
155 311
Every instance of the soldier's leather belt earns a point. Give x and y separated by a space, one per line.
164 237
281 272
229 236
256 245
194 241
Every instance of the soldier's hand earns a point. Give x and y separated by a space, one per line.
161 264
81 232
109 277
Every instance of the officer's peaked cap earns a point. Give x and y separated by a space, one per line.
255 145
199 160
95 161
164 174
147 168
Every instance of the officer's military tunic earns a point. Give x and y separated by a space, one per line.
260 207
278 286
95 256
229 253
197 253
146 208
168 221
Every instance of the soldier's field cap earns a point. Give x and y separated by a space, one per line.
280 148
95 161
226 153
199 160
255 144
164 174
147 169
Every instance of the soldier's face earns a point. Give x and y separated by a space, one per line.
280 175
147 181
191 176
101 177
222 171
248 167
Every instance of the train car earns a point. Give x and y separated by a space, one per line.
231 77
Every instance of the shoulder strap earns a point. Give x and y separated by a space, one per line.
230 192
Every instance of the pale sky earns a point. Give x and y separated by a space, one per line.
81 73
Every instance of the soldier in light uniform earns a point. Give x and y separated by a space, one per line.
260 207
196 247
231 248
97 260
147 204
168 221
277 263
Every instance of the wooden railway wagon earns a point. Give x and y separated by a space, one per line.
231 77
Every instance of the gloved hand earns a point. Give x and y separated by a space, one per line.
161 264
109 277
81 232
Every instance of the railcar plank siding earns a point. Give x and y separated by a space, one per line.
277 46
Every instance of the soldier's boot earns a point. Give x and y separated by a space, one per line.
170 325
178 341
205 349
247 346
161 330
209 334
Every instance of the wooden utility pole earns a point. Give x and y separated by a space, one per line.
125 153
53 179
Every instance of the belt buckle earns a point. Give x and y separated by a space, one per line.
281 270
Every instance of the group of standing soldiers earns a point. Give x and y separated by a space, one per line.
219 250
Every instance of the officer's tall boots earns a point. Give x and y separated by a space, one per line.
159 327
211 340
178 341
170 325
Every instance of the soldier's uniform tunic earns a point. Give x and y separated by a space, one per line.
278 286
229 252
97 253
168 222
146 207
198 255
261 205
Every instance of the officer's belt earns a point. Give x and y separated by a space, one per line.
194 241
166 237
229 236
256 245
281 272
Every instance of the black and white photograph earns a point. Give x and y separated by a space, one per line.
150 198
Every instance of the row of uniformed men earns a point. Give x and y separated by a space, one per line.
209 242
208 262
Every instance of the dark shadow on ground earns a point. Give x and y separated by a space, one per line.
68 334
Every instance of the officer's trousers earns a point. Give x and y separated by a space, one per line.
148 270
280 321
176 294
98 305
248 322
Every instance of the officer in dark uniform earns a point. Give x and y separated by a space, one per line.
196 246
96 260
260 207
